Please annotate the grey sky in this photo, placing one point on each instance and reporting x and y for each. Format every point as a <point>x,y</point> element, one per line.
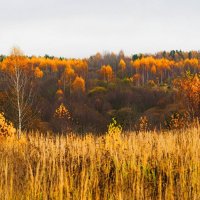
<point>80,28</point>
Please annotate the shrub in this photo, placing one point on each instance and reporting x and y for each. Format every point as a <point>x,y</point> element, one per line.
<point>189,91</point>
<point>6,128</point>
<point>62,118</point>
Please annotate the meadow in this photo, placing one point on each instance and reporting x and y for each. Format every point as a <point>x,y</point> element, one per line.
<point>117,165</point>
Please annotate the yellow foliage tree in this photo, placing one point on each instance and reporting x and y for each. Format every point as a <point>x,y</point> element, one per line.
<point>15,62</point>
<point>79,84</point>
<point>63,118</point>
<point>62,112</point>
<point>153,69</point>
<point>136,65</point>
<point>68,76</point>
<point>122,66</point>
<point>107,72</point>
<point>38,73</point>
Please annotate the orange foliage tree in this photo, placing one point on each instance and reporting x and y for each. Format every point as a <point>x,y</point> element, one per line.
<point>67,76</point>
<point>63,118</point>
<point>107,72</point>
<point>80,67</point>
<point>38,73</point>
<point>79,84</point>
<point>189,89</point>
<point>122,66</point>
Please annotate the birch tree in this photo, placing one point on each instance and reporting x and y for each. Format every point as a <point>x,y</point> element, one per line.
<point>19,86</point>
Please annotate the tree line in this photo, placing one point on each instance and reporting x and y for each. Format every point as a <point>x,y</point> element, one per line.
<point>89,90</point>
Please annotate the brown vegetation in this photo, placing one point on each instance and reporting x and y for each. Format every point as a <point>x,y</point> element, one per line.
<point>144,165</point>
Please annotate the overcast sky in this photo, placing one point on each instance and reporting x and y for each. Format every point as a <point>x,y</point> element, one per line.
<point>80,28</point>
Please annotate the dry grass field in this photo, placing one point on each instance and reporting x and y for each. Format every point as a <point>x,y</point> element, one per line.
<point>145,165</point>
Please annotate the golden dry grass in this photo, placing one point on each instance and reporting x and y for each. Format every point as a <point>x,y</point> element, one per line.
<point>147,165</point>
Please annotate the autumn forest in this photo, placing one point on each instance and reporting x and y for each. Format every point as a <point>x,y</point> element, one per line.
<point>83,95</point>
